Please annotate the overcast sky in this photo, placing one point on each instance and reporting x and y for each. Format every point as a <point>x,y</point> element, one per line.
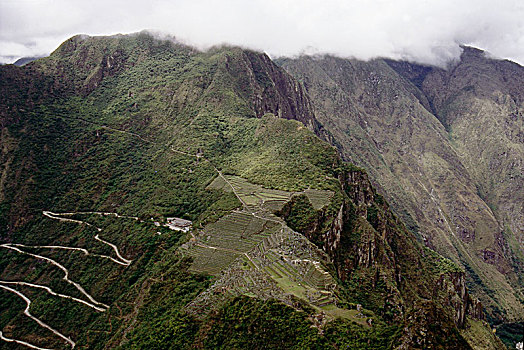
<point>427,31</point>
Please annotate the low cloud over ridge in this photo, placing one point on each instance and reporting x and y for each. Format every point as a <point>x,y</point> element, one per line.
<point>423,31</point>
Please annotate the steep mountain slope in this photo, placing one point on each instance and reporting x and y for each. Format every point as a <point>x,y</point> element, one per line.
<point>477,95</point>
<point>432,144</point>
<point>109,136</point>
<point>480,103</point>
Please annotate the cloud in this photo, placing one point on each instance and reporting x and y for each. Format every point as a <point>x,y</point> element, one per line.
<point>427,31</point>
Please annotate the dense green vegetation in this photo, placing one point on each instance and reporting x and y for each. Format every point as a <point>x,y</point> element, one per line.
<point>248,323</point>
<point>352,336</point>
<point>299,213</point>
<point>441,264</point>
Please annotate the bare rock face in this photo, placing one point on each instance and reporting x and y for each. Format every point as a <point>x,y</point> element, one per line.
<point>459,298</point>
<point>274,91</point>
<point>373,251</point>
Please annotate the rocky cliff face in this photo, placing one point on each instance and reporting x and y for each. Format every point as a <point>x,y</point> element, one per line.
<point>372,250</point>
<point>270,89</point>
<point>459,298</point>
<point>453,283</point>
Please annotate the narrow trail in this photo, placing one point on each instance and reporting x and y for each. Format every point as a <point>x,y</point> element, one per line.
<point>125,132</point>
<point>102,213</point>
<point>173,149</point>
<point>458,243</point>
<point>50,291</point>
<point>218,248</point>
<point>56,216</point>
<point>268,219</point>
<point>108,128</point>
<point>61,267</point>
<point>254,264</point>
<point>60,217</point>
<point>41,323</point>
<point>436,203</point>
<point>21,342</point>
<point>184,153</point>
<point>227,250</point>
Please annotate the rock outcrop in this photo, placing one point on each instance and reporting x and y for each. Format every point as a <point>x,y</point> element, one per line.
<point>373,252</point>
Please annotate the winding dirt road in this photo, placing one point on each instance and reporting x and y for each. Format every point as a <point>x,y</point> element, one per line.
<point>60,217</point>
<point>117,252</point>
<point>92,303</point>
<point>50,291</point>
<point>21,342</point>
<point>61,267</point>
<point>41,323</point>
<point>83,250</point>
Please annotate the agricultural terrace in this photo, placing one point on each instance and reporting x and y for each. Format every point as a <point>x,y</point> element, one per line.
<point>218,244</point>
<point>256,196</point>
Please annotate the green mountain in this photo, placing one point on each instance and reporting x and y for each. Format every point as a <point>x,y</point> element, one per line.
<point>445,147</point>
<point>108,139</point>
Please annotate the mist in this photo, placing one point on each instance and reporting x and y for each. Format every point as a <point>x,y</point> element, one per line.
<point>427,32</point>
